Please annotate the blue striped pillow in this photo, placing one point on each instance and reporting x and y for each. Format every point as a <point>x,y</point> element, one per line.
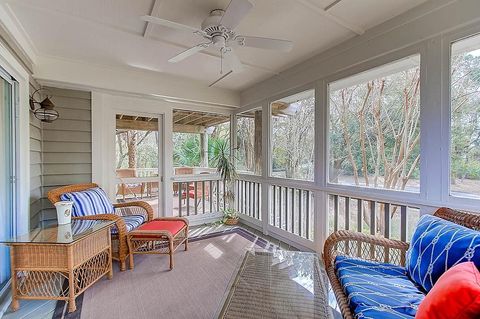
<point>93,201</point>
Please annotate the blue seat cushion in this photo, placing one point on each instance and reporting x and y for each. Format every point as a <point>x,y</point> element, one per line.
<point>92,201</point>
<point>378,290</point>
<point>438,245</point>
<point>131,222</point>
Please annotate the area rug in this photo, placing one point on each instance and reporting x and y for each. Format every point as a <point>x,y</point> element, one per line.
<point>193,289</point>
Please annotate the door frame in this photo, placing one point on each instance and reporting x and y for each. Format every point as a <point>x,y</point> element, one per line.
<point>14,69</point>
<point>104,109</point>
<point>112,186</point>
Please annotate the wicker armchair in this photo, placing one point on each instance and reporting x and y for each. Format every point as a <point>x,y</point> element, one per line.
<point>119,241</point>
<point>373,248</point>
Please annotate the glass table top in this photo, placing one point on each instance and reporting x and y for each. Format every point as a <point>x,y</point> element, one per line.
<point>277,284</point>
<point>52,233</point>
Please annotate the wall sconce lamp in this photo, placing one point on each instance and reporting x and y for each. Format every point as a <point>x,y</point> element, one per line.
<point>44,111</point>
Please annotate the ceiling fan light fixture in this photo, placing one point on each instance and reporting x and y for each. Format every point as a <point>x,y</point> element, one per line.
<point>45,111</point>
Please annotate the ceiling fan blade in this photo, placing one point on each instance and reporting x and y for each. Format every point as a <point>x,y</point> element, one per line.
<point>170,24</point>
<point>185,54</point>
<point>264,43</point>
<point>232,62</point>
<point>235,12</point>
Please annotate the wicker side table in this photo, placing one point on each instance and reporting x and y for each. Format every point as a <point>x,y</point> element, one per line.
<point>60,262</point>
<point>159,236</point>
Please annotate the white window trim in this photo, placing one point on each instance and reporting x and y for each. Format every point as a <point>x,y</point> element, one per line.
<point>293,181</point>
<point>325,120</point>
<point>448,40</point>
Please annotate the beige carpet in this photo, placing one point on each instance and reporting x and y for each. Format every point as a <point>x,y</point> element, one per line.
<point>193,289</point>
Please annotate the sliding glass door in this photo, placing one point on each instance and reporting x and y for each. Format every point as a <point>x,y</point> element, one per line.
<point>7,171</point>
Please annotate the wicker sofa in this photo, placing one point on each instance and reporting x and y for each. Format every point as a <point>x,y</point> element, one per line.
<point>366,247</point>
<point>119,240</point>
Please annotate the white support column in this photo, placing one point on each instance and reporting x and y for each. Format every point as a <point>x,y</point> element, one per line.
<point>204,149</point>
<point>167,160</point>
<point>434,122</point>
<point>321,165</point>
<point>266,165</point>
<point>321,220</point>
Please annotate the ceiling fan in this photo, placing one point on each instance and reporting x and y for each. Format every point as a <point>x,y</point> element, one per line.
<point>218,31</point>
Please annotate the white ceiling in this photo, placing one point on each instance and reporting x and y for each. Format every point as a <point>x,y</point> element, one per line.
<point>110,32</point>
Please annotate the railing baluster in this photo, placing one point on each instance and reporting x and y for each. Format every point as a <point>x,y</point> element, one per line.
<point>386,224</point>
<point>218,196</point>
<point>257,202</point>
<point>300,222</point>
<point>187,194</point>
<point>280,206</point>
<point>386,217</point>
<point>224,190</point>
<point>250,199</point>
<point>274,206</point>
<point>244,197</point>
<point>403,223</point>
<point>359,224</point>
<point>347,213</point>
<point>335,212</point>
<point>292,227</point>
<point>360,216</point>
<point>180,199</point>
<point>307,221</point>
<point>372,227</point>
<point>195,199</point>
<point>203,197</point>
<point>210,197</point>
<point>237,195</point>
<point>252,202</point>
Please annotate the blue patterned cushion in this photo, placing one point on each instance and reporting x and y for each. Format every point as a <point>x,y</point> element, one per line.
<point>378,290</point>
<point>131,222</point>
<point>438,245</point>
<point>92,201</point>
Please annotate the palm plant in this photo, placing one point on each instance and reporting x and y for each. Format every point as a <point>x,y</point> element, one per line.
<point>225,163</point>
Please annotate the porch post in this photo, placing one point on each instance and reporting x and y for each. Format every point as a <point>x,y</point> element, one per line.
<point>266,160</point>
<point>257,145</point>
<point>204,149</point>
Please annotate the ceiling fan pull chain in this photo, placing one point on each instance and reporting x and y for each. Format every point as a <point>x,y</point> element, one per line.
<point>221,61</point>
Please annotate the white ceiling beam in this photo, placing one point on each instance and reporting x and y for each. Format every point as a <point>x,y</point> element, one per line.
<point>337,20</point>
<point>331,5</point>
<point>155,12</point>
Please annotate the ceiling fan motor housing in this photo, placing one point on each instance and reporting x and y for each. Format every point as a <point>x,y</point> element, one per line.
<point>216,32</point>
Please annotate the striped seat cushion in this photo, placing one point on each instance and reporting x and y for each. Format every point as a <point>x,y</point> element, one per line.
<point>92,201</point>
<point>131,222</point>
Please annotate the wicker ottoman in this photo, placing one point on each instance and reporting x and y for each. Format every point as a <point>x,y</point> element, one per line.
<point>158,236</point>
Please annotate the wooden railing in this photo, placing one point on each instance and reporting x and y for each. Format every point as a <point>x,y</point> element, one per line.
<point>292,210</point>
<point>374,217</point>
<point>198,194</point>
<point>248,198</point>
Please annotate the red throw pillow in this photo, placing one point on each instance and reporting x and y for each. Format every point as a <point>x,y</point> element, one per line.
<point>456,295</point>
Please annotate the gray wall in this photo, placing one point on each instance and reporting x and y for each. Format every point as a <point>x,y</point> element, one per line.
<point>67,144</point>
<point>35,169</point>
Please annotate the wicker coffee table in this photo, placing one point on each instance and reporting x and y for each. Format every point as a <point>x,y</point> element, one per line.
<point>277,285</point>
<point>60,262</point>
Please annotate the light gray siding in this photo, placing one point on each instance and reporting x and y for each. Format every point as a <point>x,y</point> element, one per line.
<point>67,144</point>
<point>35,171</point>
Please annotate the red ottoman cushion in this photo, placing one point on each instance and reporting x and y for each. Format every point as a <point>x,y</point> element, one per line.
<point>456,294</point>
<point>172,226</point>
